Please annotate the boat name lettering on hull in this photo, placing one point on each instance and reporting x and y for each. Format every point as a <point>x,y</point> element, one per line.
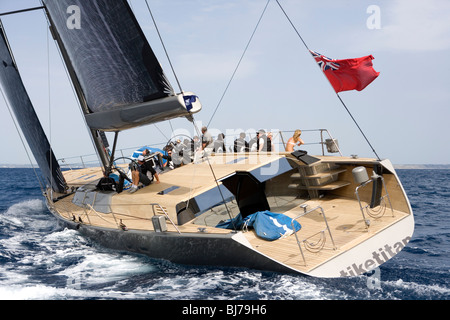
<point>378,257</point>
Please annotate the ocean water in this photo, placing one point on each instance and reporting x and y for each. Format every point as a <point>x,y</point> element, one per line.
<point>41,261</point>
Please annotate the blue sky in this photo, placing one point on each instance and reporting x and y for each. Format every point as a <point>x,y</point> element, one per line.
<point>404,112</point>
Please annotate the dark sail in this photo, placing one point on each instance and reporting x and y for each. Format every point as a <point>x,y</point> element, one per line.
<point>26,117</point>
<point>119,81</point>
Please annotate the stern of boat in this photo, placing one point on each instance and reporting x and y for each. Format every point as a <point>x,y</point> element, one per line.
<point>345,231</point>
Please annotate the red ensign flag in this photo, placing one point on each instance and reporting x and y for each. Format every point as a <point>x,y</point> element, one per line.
<point>347,74</point>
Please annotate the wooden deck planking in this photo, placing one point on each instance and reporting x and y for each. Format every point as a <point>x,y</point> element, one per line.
<point>347,229</point>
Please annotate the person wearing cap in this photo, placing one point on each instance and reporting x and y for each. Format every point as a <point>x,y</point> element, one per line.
<point>139,174</point>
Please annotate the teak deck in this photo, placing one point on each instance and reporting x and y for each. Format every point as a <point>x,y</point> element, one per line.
<point>346,225</point>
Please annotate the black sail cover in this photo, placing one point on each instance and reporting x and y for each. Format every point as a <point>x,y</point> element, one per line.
<point>27,119</point>
<point>110,60</point>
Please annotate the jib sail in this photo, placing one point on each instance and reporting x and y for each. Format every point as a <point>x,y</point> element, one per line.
<point>119,81</point>
<point>26,116</point>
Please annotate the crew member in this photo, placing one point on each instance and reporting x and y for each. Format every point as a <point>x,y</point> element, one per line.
<point>139,173</point>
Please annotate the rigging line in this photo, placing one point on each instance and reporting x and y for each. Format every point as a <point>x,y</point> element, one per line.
<point>292,24</point>
<point>367,140</point>
<point>239,63</point>
<point>191,188</point>
<point>20,11</point>
<point>166,52</point>
<point>171,127</point>
<point>337,94</point>
<point>165,137</point>
<point>213,173</point>
<point>49,110</point>
<point>164,47</point>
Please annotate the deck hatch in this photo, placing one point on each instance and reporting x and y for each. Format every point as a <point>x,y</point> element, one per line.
<point>168,190</point>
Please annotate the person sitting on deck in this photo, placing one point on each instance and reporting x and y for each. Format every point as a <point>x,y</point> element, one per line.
<point>155,159</point>
<point>139,173</point>
<point>169,162</point>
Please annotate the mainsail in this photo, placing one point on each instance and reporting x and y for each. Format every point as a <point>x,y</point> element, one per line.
<point>26,117</point>
<point>119,81</point>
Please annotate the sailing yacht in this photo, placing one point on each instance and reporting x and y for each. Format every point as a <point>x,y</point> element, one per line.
<point>324,215</point>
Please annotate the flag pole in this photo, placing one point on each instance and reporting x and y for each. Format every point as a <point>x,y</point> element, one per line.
<point>337,94</point>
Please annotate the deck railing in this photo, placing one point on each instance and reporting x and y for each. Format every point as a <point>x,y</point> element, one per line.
<point>89,210</point>
<point>307,242</point>
<point>378,210</point>
<point>317,141</point>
